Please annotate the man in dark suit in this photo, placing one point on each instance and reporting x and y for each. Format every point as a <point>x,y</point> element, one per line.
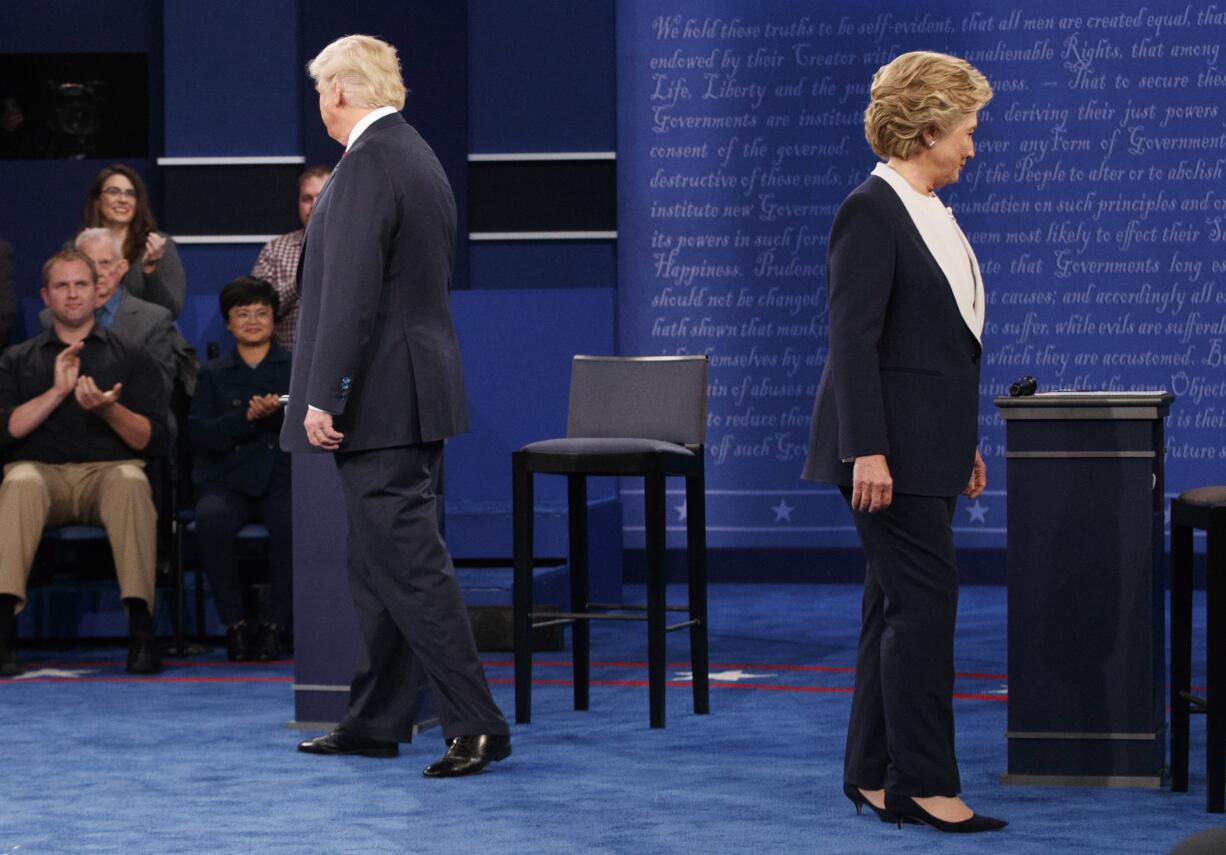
<point>376,381</point>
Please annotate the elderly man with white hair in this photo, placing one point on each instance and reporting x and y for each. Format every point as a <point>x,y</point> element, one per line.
<point>377,383</point>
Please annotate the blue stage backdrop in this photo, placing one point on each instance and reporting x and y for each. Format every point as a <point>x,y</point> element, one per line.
<point>1096,205</point>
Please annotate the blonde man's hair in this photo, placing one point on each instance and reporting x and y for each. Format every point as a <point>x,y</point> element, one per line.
<point>366,69</point>
<point>917,92</point>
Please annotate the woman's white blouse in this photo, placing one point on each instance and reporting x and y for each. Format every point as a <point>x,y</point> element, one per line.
<point>944,239</point>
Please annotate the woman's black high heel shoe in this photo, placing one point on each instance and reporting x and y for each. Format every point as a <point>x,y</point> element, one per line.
<point>857,799</point>
<point>905,808</point>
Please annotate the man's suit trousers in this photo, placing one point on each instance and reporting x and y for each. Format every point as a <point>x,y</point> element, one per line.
<point>901,733</point>
<point>408,601</point>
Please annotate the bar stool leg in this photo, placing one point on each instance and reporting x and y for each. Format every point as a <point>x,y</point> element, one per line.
<point>656,583</point>
<point>1181,649</point>
<point>580,630</point>
<point>696,553</point>
<point>1215,655</point>
<point>522,510</point>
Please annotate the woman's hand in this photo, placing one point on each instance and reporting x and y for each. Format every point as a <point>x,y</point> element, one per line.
<point>979,478</point>
<point>872,488</point>
<point>155,248</point>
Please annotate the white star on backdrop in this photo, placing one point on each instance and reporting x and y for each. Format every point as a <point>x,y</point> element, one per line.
<point>680,509</point>
<point>978,512</point>
<point>54,673</point>
<point>783,511</point>
<point>733,676</point>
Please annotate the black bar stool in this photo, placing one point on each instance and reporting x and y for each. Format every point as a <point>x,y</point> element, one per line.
<point>1203,508</point>
<point>628,416</point>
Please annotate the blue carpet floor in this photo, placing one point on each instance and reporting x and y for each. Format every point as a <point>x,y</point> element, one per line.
<point>199,760</point>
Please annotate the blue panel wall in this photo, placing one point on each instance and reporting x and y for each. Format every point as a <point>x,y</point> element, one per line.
<point>232,77</point>
<point>542,76</point>
<point>78,26</point>
<point>1094,206</point>
<point>517,347</point>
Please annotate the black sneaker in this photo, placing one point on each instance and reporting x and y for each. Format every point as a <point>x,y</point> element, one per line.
<point>9,666</point>
<point>268,646</point>
<point>143,656</point>
<point>238,642</point>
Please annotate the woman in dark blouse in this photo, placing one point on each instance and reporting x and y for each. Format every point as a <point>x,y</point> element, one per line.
<point>240,473</point>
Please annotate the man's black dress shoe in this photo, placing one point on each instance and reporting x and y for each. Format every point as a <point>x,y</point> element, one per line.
<point>9,666</point>
<point>343,742</point>
<point>143,656</point>
<point>905,809</point>
<point>467,755</point>
<point>238,642</point>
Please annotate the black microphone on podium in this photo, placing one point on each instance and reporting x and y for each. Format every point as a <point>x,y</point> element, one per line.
<point>1023,387</point>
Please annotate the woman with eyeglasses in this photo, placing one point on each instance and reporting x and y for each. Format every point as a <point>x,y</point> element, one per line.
<point>240,473</point>
<point>118,201</point>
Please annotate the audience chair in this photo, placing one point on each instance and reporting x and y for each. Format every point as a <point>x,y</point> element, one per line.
<point>627,416</point>
<point>1203,508</point>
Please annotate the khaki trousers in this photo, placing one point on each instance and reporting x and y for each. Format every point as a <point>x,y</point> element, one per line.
<point>114,494</point>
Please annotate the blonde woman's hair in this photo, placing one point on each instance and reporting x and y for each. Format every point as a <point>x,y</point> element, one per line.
<point>366,69</point>
<point>917,92</point>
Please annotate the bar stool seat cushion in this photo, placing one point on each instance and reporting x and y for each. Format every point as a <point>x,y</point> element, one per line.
<point>611,445</point>
<point>1208,497</point>
<point>1197,508</point>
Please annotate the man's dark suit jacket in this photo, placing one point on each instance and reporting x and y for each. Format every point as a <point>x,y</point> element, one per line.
<point>232,452</point>
<point>902,376</point>
<point>376,347</point>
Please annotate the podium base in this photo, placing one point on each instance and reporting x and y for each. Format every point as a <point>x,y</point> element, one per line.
<point>292,724</point>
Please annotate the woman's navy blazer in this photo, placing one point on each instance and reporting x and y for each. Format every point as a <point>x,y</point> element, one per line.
<point>902,375</point>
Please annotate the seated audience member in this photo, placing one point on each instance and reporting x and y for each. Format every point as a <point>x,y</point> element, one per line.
<point>139,321</point>
<point>278,261</point>
<point>241,475</point>
<point>80,409</point>
<point>117,200</point>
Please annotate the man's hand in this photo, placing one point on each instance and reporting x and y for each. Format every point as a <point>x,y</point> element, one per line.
<point>320,434</point>
<point>872,488</point>
<point>67,369</point>
<point>93,399</point>
<point>979,478</point>
<point>262,406</point>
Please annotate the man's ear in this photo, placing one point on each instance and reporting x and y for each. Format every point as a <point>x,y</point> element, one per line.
<point>43,293</point>
<point>122,267</point>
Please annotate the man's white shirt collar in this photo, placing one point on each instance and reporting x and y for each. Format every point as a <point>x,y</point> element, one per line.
<point>366,121</point>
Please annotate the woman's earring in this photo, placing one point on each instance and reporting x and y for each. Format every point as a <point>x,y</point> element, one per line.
<point>931,143</point>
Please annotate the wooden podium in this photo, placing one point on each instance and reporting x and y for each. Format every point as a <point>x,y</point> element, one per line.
<point>1086,589</point>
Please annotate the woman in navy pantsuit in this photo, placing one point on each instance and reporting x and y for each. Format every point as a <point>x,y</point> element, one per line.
<point>895,427</point>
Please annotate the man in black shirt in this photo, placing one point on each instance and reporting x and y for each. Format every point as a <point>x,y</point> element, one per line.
<point>79,410</point>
